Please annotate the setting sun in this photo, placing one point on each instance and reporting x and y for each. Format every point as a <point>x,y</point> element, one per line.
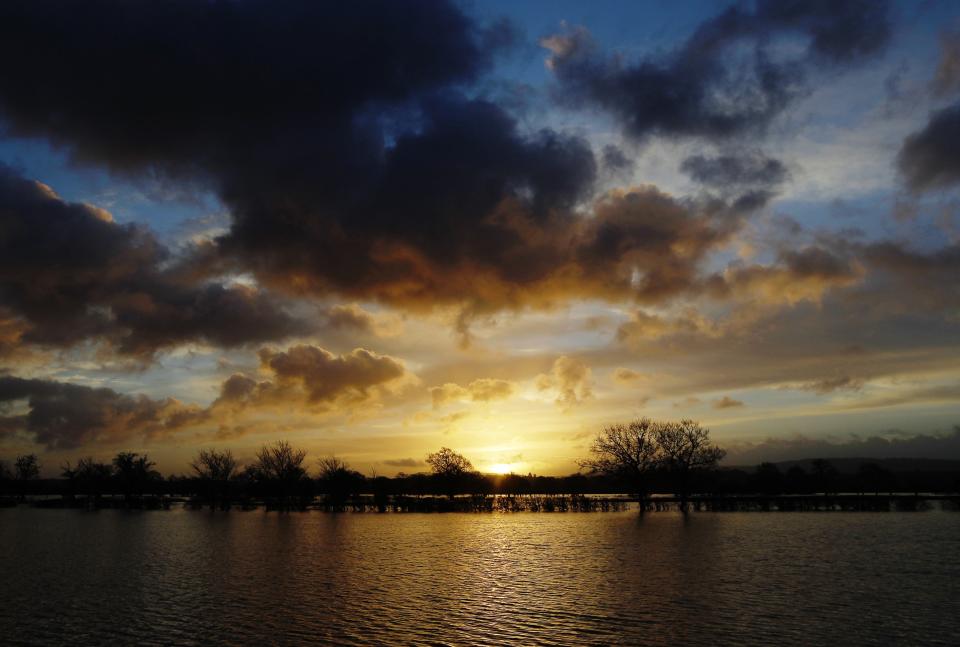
<point>502,468</point>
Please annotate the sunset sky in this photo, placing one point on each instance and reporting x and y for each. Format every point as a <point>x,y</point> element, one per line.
<point>378,228</point>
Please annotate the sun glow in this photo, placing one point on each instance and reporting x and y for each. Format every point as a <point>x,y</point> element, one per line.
<point>502,468</point>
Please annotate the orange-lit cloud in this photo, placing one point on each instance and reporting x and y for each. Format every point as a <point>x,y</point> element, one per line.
<point>480,390</point>
<point>571,379</point>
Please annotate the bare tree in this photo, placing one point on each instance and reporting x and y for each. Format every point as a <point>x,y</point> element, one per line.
<point>134,472</point>
<point>824,474</point>
<point>449,469</point>
<point>90,477</point>
<point>338,480</point>
<point>447,462</point>
<point>213,465</point>
<point>280,474</point>
<point>331,466</point>
<point>627,451</point>
<point>685,448</point>
<point>281,462</point>
<point>215,471</point>
<point>26,467</point>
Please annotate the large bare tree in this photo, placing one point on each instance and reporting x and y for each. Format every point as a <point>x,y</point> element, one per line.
<point>685,447</point>
<point>450,469</point>
<point>215,465</point>
<point>627,451</point>
<point>281,462</point>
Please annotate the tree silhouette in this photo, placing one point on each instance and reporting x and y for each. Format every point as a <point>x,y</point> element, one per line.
<point>627,451</point>
<point>281,462</point>
<point>824,475</point>
<point>279,470</point>
<point>215,466</point>
<point>873,477</point>
<point>686,448</point>
<point>134,473</point>
<point>89,477</point>
<point>215,470</point>
<point>337,480</point>
<point>797,480</point>
<point>448,462</point>
<point>26,468</point>
<point>768,479</point>
<point>449,469</point>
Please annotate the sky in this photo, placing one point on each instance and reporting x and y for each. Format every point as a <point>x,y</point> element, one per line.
<point>375,229</point>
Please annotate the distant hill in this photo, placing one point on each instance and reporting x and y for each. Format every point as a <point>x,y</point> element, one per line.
<point>852,465</point>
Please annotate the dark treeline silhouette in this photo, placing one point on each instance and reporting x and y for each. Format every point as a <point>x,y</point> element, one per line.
<point>658,464</point>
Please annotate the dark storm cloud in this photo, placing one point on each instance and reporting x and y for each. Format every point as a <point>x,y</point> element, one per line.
<point>615,160</point>
<point>63,416</point>
<point>352,162</point>
<point>337,134</point>
<point>69,273</point>
<point>723,171</point>
<point>185,85</point>
<point>712,86</point>
<point>929,158</point>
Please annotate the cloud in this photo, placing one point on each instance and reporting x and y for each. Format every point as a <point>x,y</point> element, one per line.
<point>915,279</point>
<point>320,377</point>
<point>947,77</point>
<point>804,275</point>
<point>644,326</point>
<point>343,176</point>
<point>404,462</point>
<point>928,158</point>
<point>480,390</point>
<point>353,318</point>
<point>726,402</point>
<point>830,318</point>
<point>799,275</point>
<point>724,171</point>
<point>69,273</point>
<point>64,416</point>
<point>714,85</point>
<point>247,78</point>
<point>628,376</point>
<point>830,385</point>
<point>907,396</point>
<point>570,378</point>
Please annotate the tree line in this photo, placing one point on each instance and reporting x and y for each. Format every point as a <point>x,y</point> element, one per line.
<point>636,458</point>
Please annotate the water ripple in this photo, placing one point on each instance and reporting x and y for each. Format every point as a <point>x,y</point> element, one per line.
<point>197,578</point>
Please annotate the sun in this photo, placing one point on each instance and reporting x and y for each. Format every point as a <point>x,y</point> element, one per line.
<point>501,468</point>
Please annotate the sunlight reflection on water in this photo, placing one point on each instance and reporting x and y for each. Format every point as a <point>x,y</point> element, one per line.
<point>190,577</point>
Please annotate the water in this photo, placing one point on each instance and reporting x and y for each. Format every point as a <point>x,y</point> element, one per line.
<point>193,578</point>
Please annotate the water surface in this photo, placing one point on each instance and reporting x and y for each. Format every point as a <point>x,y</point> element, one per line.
<point>193,578</point>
